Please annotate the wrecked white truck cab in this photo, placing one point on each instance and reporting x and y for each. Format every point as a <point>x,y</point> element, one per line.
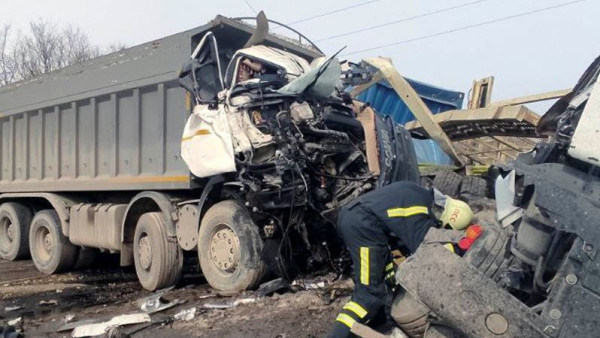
<point>289,146</point>
<point>218,132</point>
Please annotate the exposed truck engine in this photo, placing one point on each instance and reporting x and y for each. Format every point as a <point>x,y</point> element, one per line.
<point>294,147</point>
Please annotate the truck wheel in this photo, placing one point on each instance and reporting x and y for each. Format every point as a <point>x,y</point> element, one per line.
<point>15,219</point>
<point>473,187</point>
<point>411,315</point>
<point>447,182</point>
<point>158,261</point>
<point>230,247</point>
<point>50,250</point>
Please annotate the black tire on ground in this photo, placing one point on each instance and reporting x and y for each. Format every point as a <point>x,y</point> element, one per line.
<point>411,315</point>
<point>158,261</point>
<point>447,182</point>
<point>85,258</point>
<point>473,187</point>
<point>229,248</point>
<point>50,250</point>
<point>15,219</point>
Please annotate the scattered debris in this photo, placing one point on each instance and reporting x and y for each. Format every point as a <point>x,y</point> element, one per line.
<point>12,308</point>
<point>366,332</point>
<point>273,286</point>
<point>310,284</point>
<point>116,332</point>
<point>69,318</point>
<point>229,303</point>
<point>244,301</point>
<point>95,329</point>
<point>15,321</point>
<point>207,296</point>
<point>186,315</point>
<point>218,305</point>
<point>71,325</point>
<point>155,303</point>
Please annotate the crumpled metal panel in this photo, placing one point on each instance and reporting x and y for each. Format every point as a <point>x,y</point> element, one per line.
<point>387,102</point>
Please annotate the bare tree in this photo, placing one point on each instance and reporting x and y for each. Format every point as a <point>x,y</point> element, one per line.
<point>6,67</point>
<point>115,47</point>
<point>77,47</point>
<point>44,48</point>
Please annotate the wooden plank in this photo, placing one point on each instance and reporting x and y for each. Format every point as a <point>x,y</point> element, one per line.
<point>532,98</point>
<point>469,151</point>
<point>415,104</point>
<point>508,144</point>
<point>461,149</point>
<point>517,113</point>
<point>361,88</point>
<point>366,116</point>
<point>481,93</point>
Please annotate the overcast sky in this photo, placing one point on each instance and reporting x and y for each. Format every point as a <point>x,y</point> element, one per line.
<point>543,51</point>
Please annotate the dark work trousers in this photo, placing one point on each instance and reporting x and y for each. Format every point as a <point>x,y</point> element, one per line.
<point>401,211</point>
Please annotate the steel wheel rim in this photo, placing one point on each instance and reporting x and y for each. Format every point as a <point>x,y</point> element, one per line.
<point>224,249</point>
<point>7,234</point>
<point>44,243</point>
<point>145,251</point>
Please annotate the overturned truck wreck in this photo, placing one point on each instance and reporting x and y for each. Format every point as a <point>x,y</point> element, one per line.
<point>536,272</point>
<point>244,156</point>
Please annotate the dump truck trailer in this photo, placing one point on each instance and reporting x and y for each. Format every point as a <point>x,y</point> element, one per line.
<point>91,160</point>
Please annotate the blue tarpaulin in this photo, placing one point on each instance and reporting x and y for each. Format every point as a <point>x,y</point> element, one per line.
<point>384,99</point>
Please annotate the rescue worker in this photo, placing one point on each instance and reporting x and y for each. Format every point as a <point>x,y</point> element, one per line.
<point>397,213</point>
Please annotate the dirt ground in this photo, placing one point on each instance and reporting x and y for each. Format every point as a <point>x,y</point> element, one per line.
<point>106,290</point>
<point>44,302</point>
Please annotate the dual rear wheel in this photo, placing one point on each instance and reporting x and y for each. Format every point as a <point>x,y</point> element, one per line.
<point>158,258</point>
<point>230,246</point>
<point>23,235</point>
<point>14,231</point>
<point>51,251</point>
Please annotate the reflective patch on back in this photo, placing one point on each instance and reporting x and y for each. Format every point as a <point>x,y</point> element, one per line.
<point>407,212</point>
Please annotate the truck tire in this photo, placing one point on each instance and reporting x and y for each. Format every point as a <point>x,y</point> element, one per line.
<point>50,250</point>
<point>15,219</point>
<point>447,182</point>
<point>411,315</point>
<point>488,251</point>
<point>158,260</point>
<point>472,187</point>
<point>230,247</point>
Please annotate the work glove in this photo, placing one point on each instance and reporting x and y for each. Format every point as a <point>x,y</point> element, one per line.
<point>390,276</point>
